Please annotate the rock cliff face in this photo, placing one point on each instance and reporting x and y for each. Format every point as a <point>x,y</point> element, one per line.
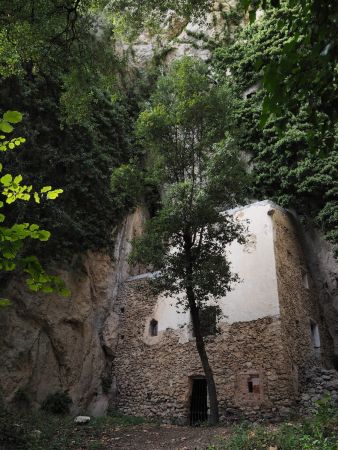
<point>51,343</point>
<point>178,37</point>
<point>324,271</point>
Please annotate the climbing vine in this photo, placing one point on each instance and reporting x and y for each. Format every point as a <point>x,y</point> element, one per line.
<point>294,162</point>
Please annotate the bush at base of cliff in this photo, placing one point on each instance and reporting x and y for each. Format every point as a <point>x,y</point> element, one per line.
<point>316,433</point>
<point>57,403</point>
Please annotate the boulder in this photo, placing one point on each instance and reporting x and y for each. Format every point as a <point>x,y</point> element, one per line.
<point>82,419</point>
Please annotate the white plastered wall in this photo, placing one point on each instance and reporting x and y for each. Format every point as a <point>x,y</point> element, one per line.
<point>255,296</point>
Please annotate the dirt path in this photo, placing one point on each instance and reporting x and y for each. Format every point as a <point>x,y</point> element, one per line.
<point>161,437</point>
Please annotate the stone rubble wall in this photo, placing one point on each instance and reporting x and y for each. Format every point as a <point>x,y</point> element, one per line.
<point>298,299</point>
<point>154,379</point>
<point>153,375</point>
<point>318,383</point>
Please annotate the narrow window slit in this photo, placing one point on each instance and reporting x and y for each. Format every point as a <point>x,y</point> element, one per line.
<point>153,329</point>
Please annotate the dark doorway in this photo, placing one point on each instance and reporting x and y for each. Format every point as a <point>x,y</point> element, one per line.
<point>199,402</point>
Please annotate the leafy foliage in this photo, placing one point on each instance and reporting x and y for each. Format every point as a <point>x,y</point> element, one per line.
<point>57,403</point>
<point>77,158</point>
<point>284,167</point>
<point>58,66</point>
<point>315,433</point>
<point>41,38</point>
<point>306,64</point>
<point>183,130</point>
<point>13,236</point>
<point>138,14</point>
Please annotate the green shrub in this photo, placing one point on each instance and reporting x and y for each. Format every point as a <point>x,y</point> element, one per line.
<point>315,433</point>
<point>57,403</point>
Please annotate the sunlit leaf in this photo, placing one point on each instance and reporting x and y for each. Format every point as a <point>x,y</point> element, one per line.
<point>5,126</point>
<point>6,180</point>
<point>36,197</point>
<point>12,116</point>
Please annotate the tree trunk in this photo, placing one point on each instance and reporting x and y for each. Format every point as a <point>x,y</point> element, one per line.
<point>213,417</point>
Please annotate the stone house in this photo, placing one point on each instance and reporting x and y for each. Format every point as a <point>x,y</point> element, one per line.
<point>270,334</point>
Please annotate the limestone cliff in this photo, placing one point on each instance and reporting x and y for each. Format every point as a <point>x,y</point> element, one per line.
<point>50,343</point>
<point>178,37</point>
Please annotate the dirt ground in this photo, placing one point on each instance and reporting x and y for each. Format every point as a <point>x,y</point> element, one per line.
<point>160,437</point>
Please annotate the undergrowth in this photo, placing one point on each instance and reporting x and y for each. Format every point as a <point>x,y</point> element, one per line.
<point>45,431</point>
<point>319,432</point>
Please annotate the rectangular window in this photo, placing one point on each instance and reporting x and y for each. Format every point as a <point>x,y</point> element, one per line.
<point>249,388</point>
<point>315,337</point>
<point>253,384</point>
<point>153,328</point>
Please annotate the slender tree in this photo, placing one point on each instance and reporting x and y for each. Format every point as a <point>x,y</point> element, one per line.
<point>202,175</point>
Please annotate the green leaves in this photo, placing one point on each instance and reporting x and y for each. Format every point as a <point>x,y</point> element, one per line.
<point>4,302</point>
<point>5,127</point>
<point>127,186</point>
<point>12,238</point>
<point>291,141</point>
<point>185,128</point>
<point>8,118</point>
<point>52,195</point>
<point>45,189</point>
<point>39,280</point>
<point>6,180</point>
<point>12,116</point>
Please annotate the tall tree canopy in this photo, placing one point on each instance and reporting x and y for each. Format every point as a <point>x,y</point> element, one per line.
<point>70,38</point>
<point>184,129</point>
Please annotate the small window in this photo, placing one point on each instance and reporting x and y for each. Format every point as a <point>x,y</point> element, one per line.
<point>254,384</point>
<point>315,337</point>
<point>153,329</point>
<point>122,310</point>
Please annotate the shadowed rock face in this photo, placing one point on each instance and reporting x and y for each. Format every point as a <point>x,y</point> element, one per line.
<point>324,270</point>
<point>49,343</point>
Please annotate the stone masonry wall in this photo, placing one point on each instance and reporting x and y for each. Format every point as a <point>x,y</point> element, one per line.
<point>298,299</point>
<point>153,375</point>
